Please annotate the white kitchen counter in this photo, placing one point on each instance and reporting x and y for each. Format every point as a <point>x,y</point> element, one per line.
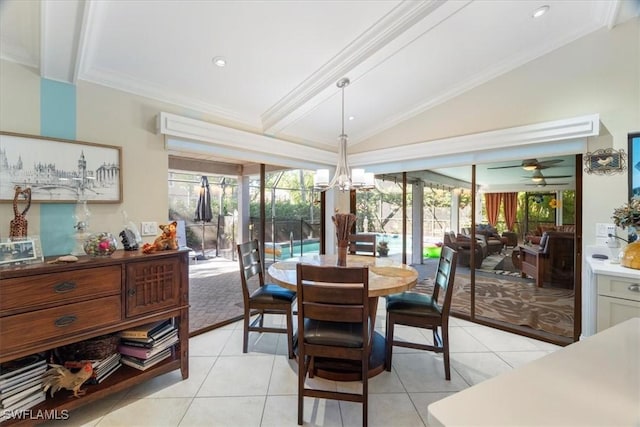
<point>593,382</point>
<point>600,266</point>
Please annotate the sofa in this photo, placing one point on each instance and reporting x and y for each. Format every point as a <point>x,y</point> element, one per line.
<point>494,242</point>
<point>462,245</point>
<point>551,263</point>
<point>534,236</point>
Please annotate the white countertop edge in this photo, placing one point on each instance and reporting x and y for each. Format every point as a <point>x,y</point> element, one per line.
<point>592,382</point>
<point>600,266</point>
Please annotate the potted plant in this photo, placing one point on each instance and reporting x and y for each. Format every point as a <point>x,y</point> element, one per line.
<point>383,248</point>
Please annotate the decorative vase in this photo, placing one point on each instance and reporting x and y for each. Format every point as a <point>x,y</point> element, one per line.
<point>342,252</point>
<point>631,255</point>
<point>100,244</point>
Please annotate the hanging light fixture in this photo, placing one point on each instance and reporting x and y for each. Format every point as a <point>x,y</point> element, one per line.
<point>344,178</point>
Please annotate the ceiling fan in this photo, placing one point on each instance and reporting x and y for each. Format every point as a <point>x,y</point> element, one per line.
<point>538,177</point>
<point>532,164</point>
<point>540,180</point>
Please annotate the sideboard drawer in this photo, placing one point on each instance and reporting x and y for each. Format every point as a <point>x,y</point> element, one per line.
<point>27,293</point>
<point>57,322</point>
<point>619,287</point>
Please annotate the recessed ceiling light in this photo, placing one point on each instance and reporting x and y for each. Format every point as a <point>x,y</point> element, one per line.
<point>220,61</point>
<point>352,118</point>
<point>540,11</point>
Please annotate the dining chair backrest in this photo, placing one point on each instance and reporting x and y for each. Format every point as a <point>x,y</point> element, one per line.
<point>333,294</point>
<point>268,298</point>
<point>443,280</point>
<point>362,244</point>
<point>419,310</point>
<point>333,323</point>
<point>250,264</point>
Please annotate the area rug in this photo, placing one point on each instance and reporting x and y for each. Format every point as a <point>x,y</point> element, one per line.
<point>500,264</point>
<point>515,301</point>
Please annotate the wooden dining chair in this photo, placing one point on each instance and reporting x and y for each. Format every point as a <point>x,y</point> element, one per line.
<point>269,298</point>
<point>423,311</point>
<point>333,322</point>
<point>362,244</point>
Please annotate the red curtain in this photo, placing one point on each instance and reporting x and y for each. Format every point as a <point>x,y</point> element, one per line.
<point>510,201</point>
<point>492,203</point>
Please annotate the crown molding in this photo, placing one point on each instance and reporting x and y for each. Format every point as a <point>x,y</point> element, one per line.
<point>300,100</point>
<point>505,144</point>
<point>186,134</point>
<point>559,137</point>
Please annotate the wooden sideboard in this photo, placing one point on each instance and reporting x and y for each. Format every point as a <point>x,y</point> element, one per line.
<point>45,306</point>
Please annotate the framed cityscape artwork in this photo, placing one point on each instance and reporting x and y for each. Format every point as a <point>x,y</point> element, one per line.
<point>634,165</point>
<point>59,170</point>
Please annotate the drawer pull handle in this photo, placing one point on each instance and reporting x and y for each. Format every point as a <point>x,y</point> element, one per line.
<point>132,292</point>
<point>634,288</point>
<point>65,321</point>
<point>64,287</point>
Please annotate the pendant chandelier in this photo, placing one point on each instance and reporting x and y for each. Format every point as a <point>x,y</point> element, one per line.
<point>344,178</point>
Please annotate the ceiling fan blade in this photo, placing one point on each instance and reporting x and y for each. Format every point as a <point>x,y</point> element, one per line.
<point>558,176</point>
<point>547,163</point>
<point>505,167</point>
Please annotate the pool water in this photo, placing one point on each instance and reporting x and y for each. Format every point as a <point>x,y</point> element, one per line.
<point>309,247</point>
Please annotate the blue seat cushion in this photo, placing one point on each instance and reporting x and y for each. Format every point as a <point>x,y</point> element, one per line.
<point>272,293</point>
<point>414,304</point>
<point>337,334</point>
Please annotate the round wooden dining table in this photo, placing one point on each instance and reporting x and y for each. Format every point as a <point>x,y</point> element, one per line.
<point>386,277</point>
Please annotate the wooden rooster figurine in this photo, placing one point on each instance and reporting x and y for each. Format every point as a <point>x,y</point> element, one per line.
<point>59,377</point>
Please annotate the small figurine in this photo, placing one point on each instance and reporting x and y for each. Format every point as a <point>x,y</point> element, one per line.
<point>129,240</point>
<point>18,225</point>
<point>168,240</point>
<point>59,377</point>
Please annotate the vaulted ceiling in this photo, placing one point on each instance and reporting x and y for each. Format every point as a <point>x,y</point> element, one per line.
<point>283,58</point>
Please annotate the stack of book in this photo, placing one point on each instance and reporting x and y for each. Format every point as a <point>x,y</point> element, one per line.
<point>102,368</point>
<point>21,384</point>
<point>147,345</point>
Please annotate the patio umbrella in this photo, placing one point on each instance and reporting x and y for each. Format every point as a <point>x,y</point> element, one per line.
<point>203,209</point>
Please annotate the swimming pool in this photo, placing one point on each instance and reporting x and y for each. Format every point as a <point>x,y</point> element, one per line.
<point>282,250</point>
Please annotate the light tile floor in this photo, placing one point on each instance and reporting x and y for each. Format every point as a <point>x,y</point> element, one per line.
<point>228,388</point>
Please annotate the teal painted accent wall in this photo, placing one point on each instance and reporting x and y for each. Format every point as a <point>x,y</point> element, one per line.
<point>57,120</point>
<point>57,109</point>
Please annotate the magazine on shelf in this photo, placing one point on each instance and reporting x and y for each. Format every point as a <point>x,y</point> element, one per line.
<point>144,364</point>
<point>105,374</point>
<point>152,339</point>
<point>20,368</point>
<point>146,353</point>
<point>100,366</point>
<point>23,405</point>
<point>22,385</point>
<point>144,331</point>
<point>96,363</point>
<point>22,377</point>
<point>8,401</point>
